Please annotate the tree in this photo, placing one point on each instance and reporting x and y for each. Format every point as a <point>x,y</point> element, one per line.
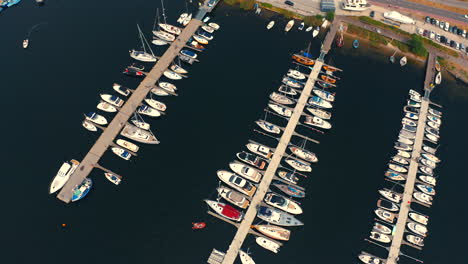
<point>417,46</point>
<point>330,16</point>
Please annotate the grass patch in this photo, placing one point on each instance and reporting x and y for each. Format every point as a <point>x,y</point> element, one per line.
<point>440,47</point>
<point>244,4</point>
<point>442,61</point>
<point>374,22</point>
<point>401,46</point>
<point>374,38</point>
<point>266,5</point>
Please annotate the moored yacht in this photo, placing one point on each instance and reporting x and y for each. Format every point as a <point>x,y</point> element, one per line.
<point>120,89</point>
<point>417,228</point>
<point>142,56</point>
<point>289,25</point>
<point>138,134</point>
<point>324,95</point>
<point>277,217</point>
<point>170,28</point>
<point>397,168</point>
<point>268,244</point>
<point>237,182</point>
<point>233,197</point>
<point>404,154</point>
<point>281,99</point>
<point>428,179</point>
<point>253,160</point>
<point>225,210</point>
<point>422,219</point>
<point>63,175</point>
<point>382,228</point>
<point>315,100</point>
<point>172,75</point>
<point>106,107</point>
<point>368,259</point>
<point>431,157</point>
<point>115,179</point>
<point>149,111</point>
<point>400,160</point>
<point>288,176</point>
<point>245,258</point>
<point>128,145</point>
<point>95,118</point>
<point>268,127</point>
<point>387,205</point>
<point>164,35</point>
<point>380,237</point>
<point>274,232</point>
<point>290,190</point>
<point>160,106</point>
<point>304,154</point>
<point>395,176</point>
<point>317,121</point>
<point>178,69</point>
<point>423,198</point>
<point>390,195</point>
<point>89,126</point>
<point>287,90</point>
<point>427,163</point>
<point>418,241</point>
<point>112,99</point>
<point>140,123</point>
<point>200,39</point>
<point>319,113</point>
<point>292,83</point>
<point>281,110</point>
<point>245,171</point>
<point>385,215</point>
<point>299,165</point>
<point>80,191</point>
<point>296,74</point>
<point>121,153</point>
<point>283,203</point>
<point>260,149</point>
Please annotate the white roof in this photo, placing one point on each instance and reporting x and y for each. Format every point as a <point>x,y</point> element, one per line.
<point>393,15</point>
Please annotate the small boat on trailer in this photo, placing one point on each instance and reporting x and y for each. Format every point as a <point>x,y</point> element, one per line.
<point>225,210</point>
<point>268,244</point>
<point>274,232</point>
<point>115,179</point>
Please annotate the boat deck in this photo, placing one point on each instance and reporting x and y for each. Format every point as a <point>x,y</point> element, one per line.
<point>398,239</point>
<point>110,133</point>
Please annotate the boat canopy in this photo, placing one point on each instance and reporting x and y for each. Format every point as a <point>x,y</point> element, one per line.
<point>230,212</point>
<point>265,211</point>
<point>278,200</point>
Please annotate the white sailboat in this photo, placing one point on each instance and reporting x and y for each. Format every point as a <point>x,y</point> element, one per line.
<point>160,38</point>
<point>315,32</point>
<point>289,25</point>
<point>403,61</point>
<point>143,55</point>
<point>167,27</point>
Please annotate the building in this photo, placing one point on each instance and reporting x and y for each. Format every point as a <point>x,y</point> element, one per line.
<point>327,5</point>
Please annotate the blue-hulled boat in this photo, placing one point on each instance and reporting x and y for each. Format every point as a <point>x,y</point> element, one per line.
<point>355,43</point>
<point>82,190</point>
<point>8,3</point>
<point>205,35</point>
<point>189,53</point>
<point>290,190</point>
<point>324,84</point>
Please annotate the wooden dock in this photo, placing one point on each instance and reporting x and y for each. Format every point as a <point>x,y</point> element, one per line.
<point>328,42</point>
<point>405,207</point>
<point>113,129</point>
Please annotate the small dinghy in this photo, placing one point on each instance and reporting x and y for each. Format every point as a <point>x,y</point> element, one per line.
<point>419,218</point>
<point>299,165</point>
<point>120,89</point>
<point>409,122</point>
<point>317,121</point>
<point>431,137</point>
<point>172,75</point>
<point>206,19</point>
<point>418,241</point>
<point>428,179</point>
<point>283,203</point>
<point>309,29</point>
<point>368,259</point>
<point>233,197</point>
<point>128,145</point>
<point>112,99</point>
<point>402,146</point>
<point>208,28</point>
<point>290,190</point>
<point>315,100</point>
<point>324,95</point>
<point>261,150</point>
<point>95,118</point>
<point>304,154</point>
<point>115,179</point>
<point>274,232</point>
<point>189,54</point>
<point>431,157</point>
<point>412,116</point>
<point>426,189</point>
<point>288,176</point>
<point>287,90</point>
<point>423,198</point>
<point>394,176</point>
<point>253,160</point>
<point>296,74</point>
<point>268,127</point>
<point>281,99</point>
<point>281,110</point>
<point>435,112</point>
<point>291,82</point>
<point>140,124</point>
<point>417,228</point>
<point>121,153</point>
<point>149,111</point>
<point>397,168</point>
<point>225,210</point>
<point>385,215</point>
<point>433,125</point>
<point>315,32</point>
<point>268,244</point>
<point>387,205</point>
<point>80,191</point>
<point>289,25</point>
<point>406,134</point>
<point>248,172</point>
<point>319,113</point>
<point>236,182</point>
<point>214,25</point>
<point>301,26</point>
<point>438,78</point>
<point>380,237</point>
<point>426,170</point>
<point>277,217</point>
<point>428,163</point>
<point>156,104</point>
<point>391,196</point>
<point>404,154</point>
<point>200,39</point>
<point>245,258</point>
<point>382,228</point>
<point>400,160</point>
<point>89,126</point>
<point>403,61</point>
<point>106,107</point>
<point>177,69</point>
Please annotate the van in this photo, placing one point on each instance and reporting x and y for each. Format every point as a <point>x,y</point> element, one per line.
<point>432,35</point>
<point>447,26</point>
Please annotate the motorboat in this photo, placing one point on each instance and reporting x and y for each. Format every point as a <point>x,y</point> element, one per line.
<point>95,118</point>
<point>225,210</point>
<point>422,219</point>
<point>368,259</point>
<point>406,141</point>
<point>281,110</point>
<point>115,179</point>
<point>387,205</point>
<point>208,28</point>
<point>426,189</point>
<point>431,157</point>
<point>89,126</point>
<point>182,17</point>
<point>233,197</point>
<point>409,128</point>
<point>112,99</point>
<point>432,131</point>
<point>189,53</point>
<point>404,154</point>
<point>380,237</point>
<point>301,26</point>
<point>206,19</point>
<point>304,154</point>
<point>270,25</point>
<point>413,92</point>
<point>324,95</point>
<point>277,217</point>
<point>187,20</point>
<point>418,241</point>
<point>426,170</point>
<point>25,43</point>
<point>168,37</point>
<point>435,112</point>
<point>355,43</point>
<point>121,153</point>
<point>288,176</point>
<point>407,134</point>
<point>130,71</point>
<point>128,145</point>
<point>167,86</point>
<point>177,69</point>
<point>397,168</point>
<point>382,228</point>
<point>237,182</point>
<point>274,232</point>
<point>170,28</point>
<point>355,5</point>
<point>245,171</point>
<point>385,215</point>
<point>205,35</point>
<point>400,160</point>
<point>403,61</point>
<point>431,137</point>
<point>290,190</point>
<point>292,83</point>
<point>299,165</point>
<point>195,44</point>
<point>402,146</point>
<point>106,107</point>
<point>268,244</point>
<point>327,79</point>
<point>394,176</point>
<point>140,123</point>
<point>245,258</point>
<point>323,84</point>
<point>413,104</point>
<point>287,90</point>
<point>147,110</point>
<point>412,116</point>
<point>138,134</point>
<point>200,39</point>
<point>428,179</point>
<point>428,149</point>
<point>214,25</point>
<point>317,121</point>
<point>423,198</point>
<point>63,175</point>
<point>319,113</point>
<point>296,74</point>
<point>427,163</point>
<point>438,78</point>
<point>409,122</point>
<point>80,191</point>
<point>172,75</point>
<point>260,149</point>
<point>415,98</point>
<point>283,203</point>
<point>289,25</point>
<point>252,160</point>
<point>391,195</point>
<point>300,58</point>
<point>315,32</point>
<point>268,127</point>
<point>409,109</point>
<point>142,56</point>
<point>437,66</point>
<point>433,125</point>
<point>120,89</point>
<point>281,99</point>
<point>315,100</point>
<point>160,106</point>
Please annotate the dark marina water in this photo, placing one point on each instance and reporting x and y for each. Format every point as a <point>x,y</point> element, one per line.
<point>81,51</point>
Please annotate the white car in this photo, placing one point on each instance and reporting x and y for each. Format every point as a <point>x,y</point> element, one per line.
<point>447,26</point>
<point>432,35</point>
<point>420,31</point>
<point>466,16</point>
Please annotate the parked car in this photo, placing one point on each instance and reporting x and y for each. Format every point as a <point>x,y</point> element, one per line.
<point>438,37</point>
<point>447,26</point>
<point>428,19</point>
<point>425,33</point>
<point>454,29</point>
<point>433,21</point>
<point>432,35</point>
<point>459,32</point>
<point>442,39</point>
<point>420,31</point>
<point>464,33</point>
<point>442,24</point>
<point>447,41</point>
<point>289,3</point>
<point>452,43</point>
<point>372,13</point>
<point>462,47</point>
<point>457,45</point>
<point>437,22</point>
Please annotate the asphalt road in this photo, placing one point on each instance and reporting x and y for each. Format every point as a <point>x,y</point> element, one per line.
<point>423,8</point>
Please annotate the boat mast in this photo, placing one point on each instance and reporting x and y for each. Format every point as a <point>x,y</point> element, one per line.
<point>164,14</point>
<point>156,18</point>
<point>143,41</point>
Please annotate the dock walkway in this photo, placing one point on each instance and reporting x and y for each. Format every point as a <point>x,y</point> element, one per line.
<point>397,241</point>
<point>120,120</point>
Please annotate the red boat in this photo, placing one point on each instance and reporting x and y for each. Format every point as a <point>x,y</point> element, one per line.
<point>225,210</point>
<point>340,41</point>
<point>199,225</point>
<point>133,72</point>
